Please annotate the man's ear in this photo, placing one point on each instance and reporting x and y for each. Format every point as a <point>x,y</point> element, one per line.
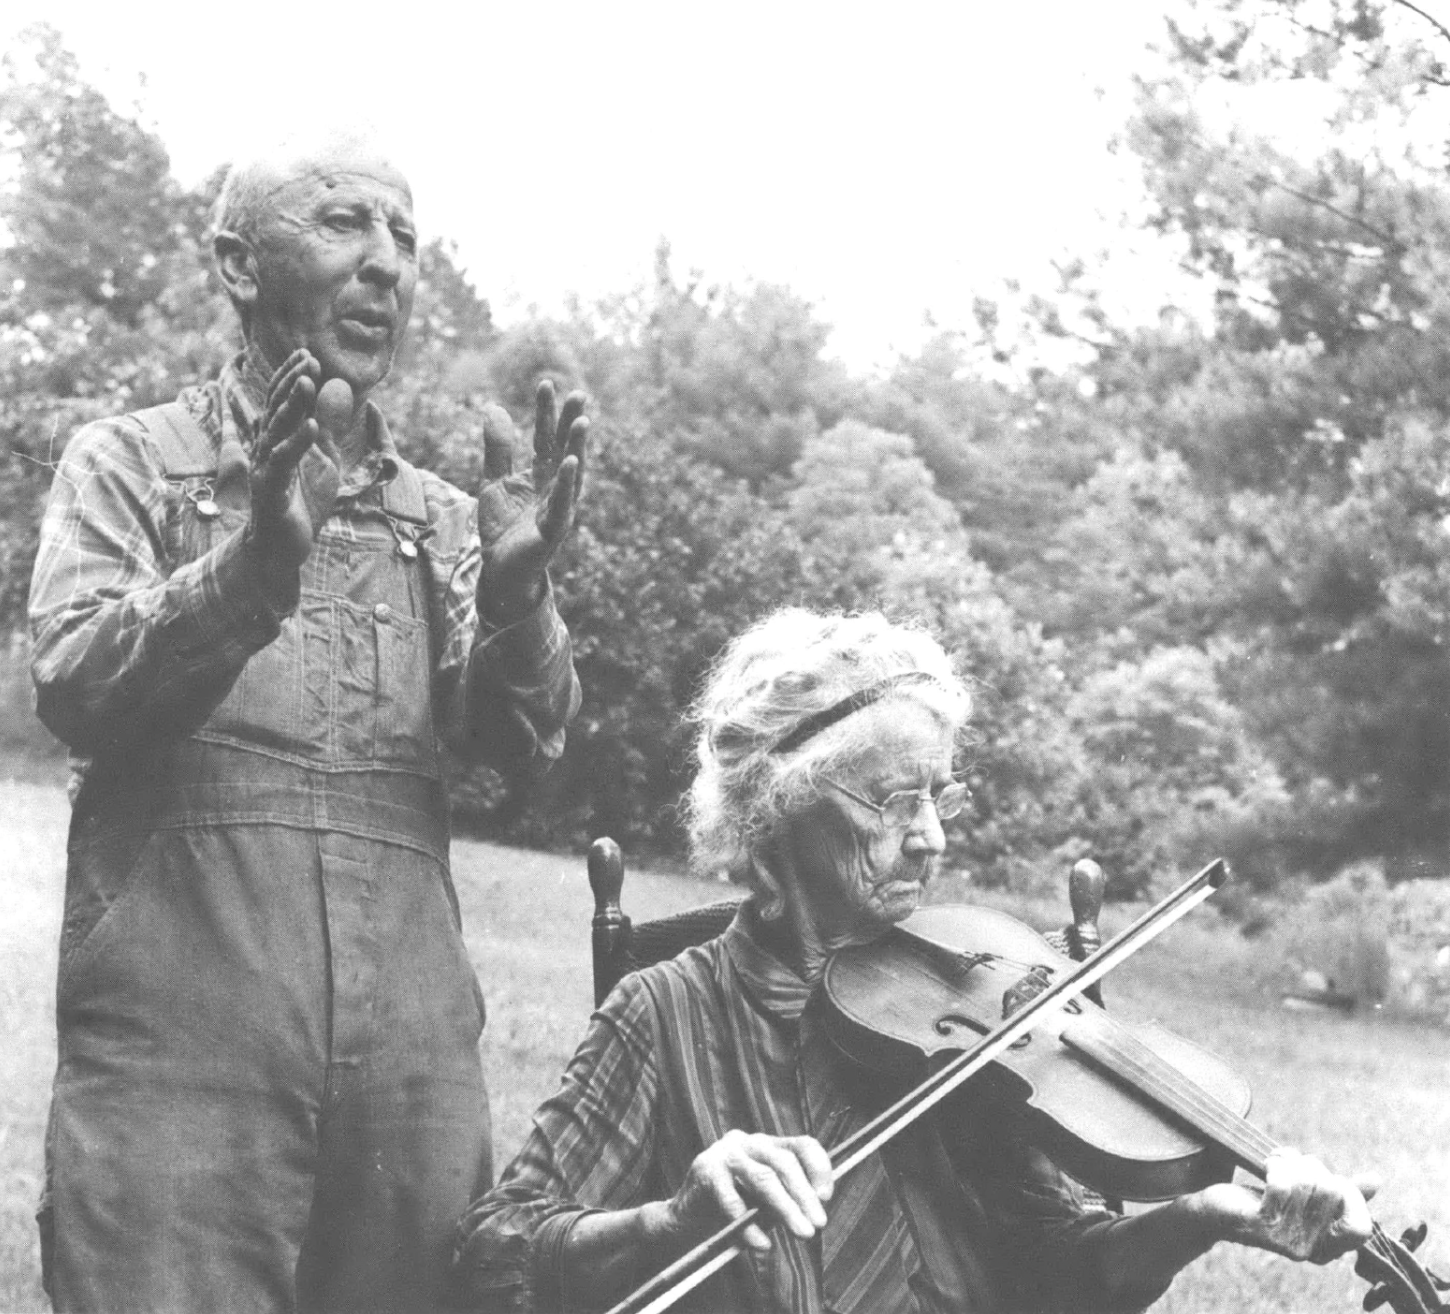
<point>236,264</point>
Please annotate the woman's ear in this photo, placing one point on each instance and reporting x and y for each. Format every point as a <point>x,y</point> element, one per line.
<point>770,906</point>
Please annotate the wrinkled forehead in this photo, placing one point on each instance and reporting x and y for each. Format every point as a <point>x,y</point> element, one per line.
<point>351,173</point>
<point>906,730</point>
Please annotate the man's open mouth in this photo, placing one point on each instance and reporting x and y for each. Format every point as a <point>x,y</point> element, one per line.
<point>371,323</point>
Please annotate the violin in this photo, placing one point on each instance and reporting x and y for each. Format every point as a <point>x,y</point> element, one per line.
<point>962,1032</point>
<point>1132,1111</point>
<point>1090,1090</point>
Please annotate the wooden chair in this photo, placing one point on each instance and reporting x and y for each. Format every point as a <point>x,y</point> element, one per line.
<point>620,947</point>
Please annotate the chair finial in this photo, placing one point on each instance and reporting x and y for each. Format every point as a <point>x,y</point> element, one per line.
<point>1085,893</point>
<point>606,873</point>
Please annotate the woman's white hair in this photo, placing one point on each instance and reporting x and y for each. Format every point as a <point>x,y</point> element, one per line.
<point>791,666</point>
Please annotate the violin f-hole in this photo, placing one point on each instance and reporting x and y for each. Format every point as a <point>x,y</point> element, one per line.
<point>950,1024</point>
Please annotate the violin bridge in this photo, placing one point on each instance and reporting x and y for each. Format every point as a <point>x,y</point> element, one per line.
<point>1026,988</point>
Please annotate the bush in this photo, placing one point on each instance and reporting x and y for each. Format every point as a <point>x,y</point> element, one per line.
<point>1420,944</point>
<point>1338,931</point>
<point>1178,779</point>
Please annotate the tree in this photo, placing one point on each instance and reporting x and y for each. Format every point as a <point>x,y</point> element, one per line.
<point>106,301</point>
<point>1342,256</point>
<point>1252,500</point>
<point>672,558</point>
<point>738,375</point>
<point>93,212</point>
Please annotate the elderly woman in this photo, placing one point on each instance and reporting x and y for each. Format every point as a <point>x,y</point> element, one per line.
<point>704,1085</point>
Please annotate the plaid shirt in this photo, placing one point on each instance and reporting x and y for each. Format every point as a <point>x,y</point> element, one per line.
<point>128,640</point>
<point>722,1037</point>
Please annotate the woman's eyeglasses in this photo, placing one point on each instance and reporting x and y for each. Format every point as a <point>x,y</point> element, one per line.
<point>900,809</point>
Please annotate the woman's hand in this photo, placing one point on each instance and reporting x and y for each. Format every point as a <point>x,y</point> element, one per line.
<point>1304,1211</point>
<point>787,1177</point>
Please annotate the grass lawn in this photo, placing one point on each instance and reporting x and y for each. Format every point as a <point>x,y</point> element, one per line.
<point>1364,1093</point>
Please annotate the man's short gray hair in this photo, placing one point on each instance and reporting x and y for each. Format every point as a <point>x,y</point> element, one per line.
<point>246,195</point>
<point>242,201</point>
<point>793,665</point>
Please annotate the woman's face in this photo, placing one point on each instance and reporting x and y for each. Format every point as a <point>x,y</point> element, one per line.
<point>850,874</point>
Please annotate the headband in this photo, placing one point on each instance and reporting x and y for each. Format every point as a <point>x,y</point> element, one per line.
<point>818,721</point>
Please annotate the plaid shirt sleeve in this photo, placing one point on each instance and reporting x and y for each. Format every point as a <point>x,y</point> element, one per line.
<point>504,695</point>
<point>123,642</point>
<point>591,1148</point>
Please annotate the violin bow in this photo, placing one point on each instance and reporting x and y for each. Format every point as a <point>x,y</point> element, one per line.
<point>713,1253</point>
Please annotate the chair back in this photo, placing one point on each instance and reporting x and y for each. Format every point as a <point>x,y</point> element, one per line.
<point>619,946</point>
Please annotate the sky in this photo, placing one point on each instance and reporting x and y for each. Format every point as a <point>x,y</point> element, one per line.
<point>889,162</point>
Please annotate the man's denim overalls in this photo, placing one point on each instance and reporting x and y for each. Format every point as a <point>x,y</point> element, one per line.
<point>269,1093</point>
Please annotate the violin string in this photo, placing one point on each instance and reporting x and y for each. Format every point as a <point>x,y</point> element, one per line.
<point>1237,1133</point>
<point>1142,1067</point>
<point>1383,1247</point>
<point>960,961</point>
<point>1426,1284</point>
<point>969,960</point>
<point>1155,1077</point>
<point>1422,1283</point>
<point>1055,997</point>
<point>1257,1145</point>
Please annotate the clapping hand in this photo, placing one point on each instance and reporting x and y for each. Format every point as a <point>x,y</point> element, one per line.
<point>296,464</point>
<point>523,518</point>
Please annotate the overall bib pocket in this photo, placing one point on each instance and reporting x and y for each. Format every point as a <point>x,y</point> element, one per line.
<point>381,687</point>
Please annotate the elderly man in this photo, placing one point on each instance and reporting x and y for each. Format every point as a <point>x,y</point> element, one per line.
<point>252,623</point>
<point>707,1084</point>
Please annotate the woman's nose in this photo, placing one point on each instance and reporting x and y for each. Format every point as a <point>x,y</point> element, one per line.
<point>925,834</point>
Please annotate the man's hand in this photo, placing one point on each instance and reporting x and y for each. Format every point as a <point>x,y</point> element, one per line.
<point>788,1177</point>
<point>1305,1211</point>
<point>296,467</point>
<point>523,518</point>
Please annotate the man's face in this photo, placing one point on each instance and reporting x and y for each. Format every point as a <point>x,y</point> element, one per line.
<point>337,263</point>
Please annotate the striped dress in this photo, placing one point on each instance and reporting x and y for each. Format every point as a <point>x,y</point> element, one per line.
<point>953,1215</point>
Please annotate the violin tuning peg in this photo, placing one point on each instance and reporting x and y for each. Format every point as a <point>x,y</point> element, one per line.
<point>1375,1297</point>
<point>1413,1237</point>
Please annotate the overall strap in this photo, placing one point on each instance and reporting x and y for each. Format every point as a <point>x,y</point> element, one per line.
<point>403,495</point>
<point>187,452</point>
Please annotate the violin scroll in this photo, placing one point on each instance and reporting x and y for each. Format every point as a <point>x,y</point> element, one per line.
<point>1396,1277</point>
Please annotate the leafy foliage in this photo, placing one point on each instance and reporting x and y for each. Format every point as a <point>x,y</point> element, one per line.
<point>105,302</point>
<point>1198,578</point>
